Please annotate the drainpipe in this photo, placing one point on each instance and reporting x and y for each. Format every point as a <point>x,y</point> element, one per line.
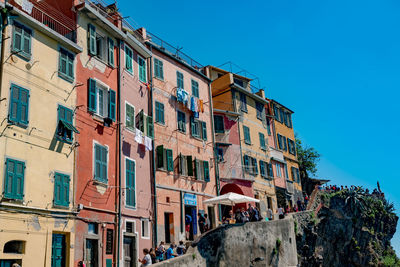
<point>214,149</point>
<point>4,14</point>
<point>153,161</point>
<point>119,187</point>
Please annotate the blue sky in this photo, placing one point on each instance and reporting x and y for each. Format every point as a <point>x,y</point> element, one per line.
<point>335,63</point>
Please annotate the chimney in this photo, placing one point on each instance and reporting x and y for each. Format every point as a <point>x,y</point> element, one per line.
<point>142,32</point>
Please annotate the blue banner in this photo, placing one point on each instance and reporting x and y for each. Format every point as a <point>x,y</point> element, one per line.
<point>190,199</point>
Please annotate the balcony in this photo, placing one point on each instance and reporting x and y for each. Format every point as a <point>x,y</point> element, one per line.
<point>289,186</point>
<point>49,17</point>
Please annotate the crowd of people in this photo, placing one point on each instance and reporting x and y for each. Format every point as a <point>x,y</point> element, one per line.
<point>162,253</point>
<point>359,189</point>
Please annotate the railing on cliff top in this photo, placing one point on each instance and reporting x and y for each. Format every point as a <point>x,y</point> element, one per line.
<point>49,17</point>
<point>174,51</point>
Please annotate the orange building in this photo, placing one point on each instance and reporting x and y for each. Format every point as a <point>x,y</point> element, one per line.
<point>285,142</point>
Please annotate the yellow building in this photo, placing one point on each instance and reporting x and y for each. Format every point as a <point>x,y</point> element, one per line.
<point>286,143</point>
<point>232,92</point>
<point>37,104</point>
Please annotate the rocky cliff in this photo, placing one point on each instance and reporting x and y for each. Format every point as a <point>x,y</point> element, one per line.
<point>350,228</point>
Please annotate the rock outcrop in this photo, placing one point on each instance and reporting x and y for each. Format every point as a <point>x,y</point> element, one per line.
<point>352,228</point>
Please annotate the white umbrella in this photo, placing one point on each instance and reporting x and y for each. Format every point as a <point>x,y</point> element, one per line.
<point>230,199</point>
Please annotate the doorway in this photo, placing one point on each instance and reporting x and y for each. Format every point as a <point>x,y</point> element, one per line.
<point>169,226</point>
<point>211,216</point>
<point>190,222</point>
<point>92,253</point>
<point>130,253</point>
<point>58,251</point>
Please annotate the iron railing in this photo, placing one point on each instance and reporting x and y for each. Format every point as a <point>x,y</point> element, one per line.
<point>51,18</point>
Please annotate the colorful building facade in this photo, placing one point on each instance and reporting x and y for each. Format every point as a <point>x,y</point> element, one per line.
<point>38,137</point>
<point>185,166</point>
<point>286,143</point>
<point>232,92</point>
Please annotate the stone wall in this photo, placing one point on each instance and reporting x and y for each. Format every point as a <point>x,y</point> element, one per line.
<point>273,243</point>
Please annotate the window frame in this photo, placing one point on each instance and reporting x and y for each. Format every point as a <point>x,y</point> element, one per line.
<point>195,88</point>
<point>130,205</point>
<point>216,129</point>
<point>260,112</point>
<point>243,102</point>
<point>158,69</point>
<point>129,128</point>
<point>142,220</point>
<point>157,111</point>
<point>278,170</point>
<point>71,122</point>
<point>66,76</point>
<point>21,53</point>
<point>180,80</point>
<point>13,195</point>
<point>62,203</point>
<point>139,58</point>
<point>246,129</point>
<point>184,121</point>
<point>130,71</point>
<point>263,145</point>
<point>99,179</point>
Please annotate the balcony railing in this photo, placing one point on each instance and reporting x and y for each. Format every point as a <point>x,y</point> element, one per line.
<point>51,18</point>
<point>175,52</point>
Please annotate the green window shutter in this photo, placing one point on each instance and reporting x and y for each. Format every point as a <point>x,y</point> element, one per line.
<point>129,116</point>
<point>246,163</point>
<point>24,102</point>
<point>284,143</point>
<point>161,70</point>
<point>268,126</point>
<point>179,80</point>
<point>195,88</point>
<point>111,104</point>
<point>19,105</point>
<point>61,190</point>
<point>219,124</point>
<point>17,37</point>
<point>262,141</point>
<point>180,163</point>
<point>255,166</point>
<point>92,40</point>
<point>189,161</point>
<point>160,156</point>
<point>156,68</point>
<point>26,44</point>
<point>206,171</point>
<point>150,127</point>
<point>170,160</point>
<point>142,69</point>
<point>14,103</point>
<point>246,131</point>
<point>101,163</point>
<point>279,141</point>
<point>130,170</point>
<point>196,169</point>
<point>262,168</point>
<point>204,130</point>
<point>193,127</point>
<point>128,59</point>
<point>14,180</point>
<point>140,121</point>
<point>161,113</point>
<point>65,189</point>
<point>286,171</point>
<point>22,40</point>
<point>92,105</point>
<point>110,51</point>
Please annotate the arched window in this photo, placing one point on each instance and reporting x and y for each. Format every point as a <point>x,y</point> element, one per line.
<point>14,246</point>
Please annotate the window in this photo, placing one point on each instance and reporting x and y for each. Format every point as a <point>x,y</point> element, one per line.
<point>282,142</point>
<point>109,241</point>
<point>101,163</point>
<point>295,174</point>
<point>65,125</point>
<point>201,170</point>
<point>276,112</point>
<point>282,115</point>
<point>100,46</point>
<point>130,182</point>
<point>129,226</point>
<point>92,228</point>
<point>289,120</point>
<point>278,169</point>
<point>179,80</point>
<point>195,88</point>
<point>181,122</point>
<point>142,69</point>
<point>102,100</point>
<point>243,102</point>
<point>219,124</point>
<point>14,247</point>
<point>250,165</point>
<point>128,59</point>
<point>291,147</point>
<point>14,179</point>
<point>19,106</point>
<point>185,165</point>
<point>260,110</point>
<point>110,51</point>
<point>158,69</point>
<point>22,40</point>
<point>263,168</point>
<point>61,189</point>
<point>145,228</point>
<point>165,160</point>
<point>145,124</point>
<point>66,65</point>
<point>198,128</point>
<point>286,171</point>
<point>220,154</point>
<point>160,112</point>
<point>129,116</point>
<point>269,170</point>
<point>246,131</point>
<point>262,141</point>
<point>268,126</point>
<point>238,82</point>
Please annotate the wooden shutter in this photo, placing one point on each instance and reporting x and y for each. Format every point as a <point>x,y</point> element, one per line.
<point>206,171</point>
<point>140,121</point>
<point>160,156</point>
<point>111,104</point>
<point>255,166</point>
<point>92,40</point>
<point>170,160</point>
<point>9,181</point>
<point>65,189</point>
<point>196,175</point>
<point>204,130</point>
<point>14,103</point>
<point>17,37</point>
<point>92,95</point>
<point>14,182</point>
<point>189,161</point>
<point>150,127</point>
<point>246,162</point>
<point>262,169</point>
<point>130,183</point>
<point>110,51</point>
<point>180,163</point>
<point>26,41</point>
<point>193,126</point>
